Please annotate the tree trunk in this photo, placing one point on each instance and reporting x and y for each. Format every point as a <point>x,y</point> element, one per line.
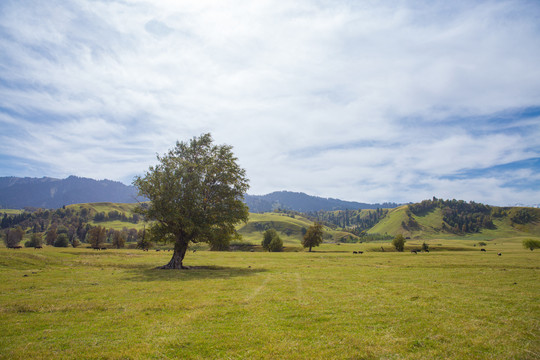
<point>310,249</point>
<point>180,248</point>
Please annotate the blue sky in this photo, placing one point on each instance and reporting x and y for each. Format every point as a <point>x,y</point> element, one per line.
<point>367,101</point>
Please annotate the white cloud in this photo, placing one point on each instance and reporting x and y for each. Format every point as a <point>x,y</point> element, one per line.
<point>335,99</point>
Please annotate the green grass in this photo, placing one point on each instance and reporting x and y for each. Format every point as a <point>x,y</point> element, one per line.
<point>329,304</point>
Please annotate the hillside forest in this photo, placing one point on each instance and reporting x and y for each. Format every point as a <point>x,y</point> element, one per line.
<point>114,225</point>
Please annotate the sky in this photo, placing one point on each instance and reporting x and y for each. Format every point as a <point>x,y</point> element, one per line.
<point>369,101</point>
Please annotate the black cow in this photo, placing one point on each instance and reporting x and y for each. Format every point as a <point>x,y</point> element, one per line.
<point>483,250</point>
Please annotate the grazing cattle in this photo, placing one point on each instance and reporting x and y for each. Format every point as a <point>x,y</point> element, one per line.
<point>15,247</point>
<point>38,247</point>
<point>360,252</point>
<point>96,248</point>
<point>103,248</point>
<point>158,250</point>
<point>414,251</point>
<point>483,250</point>
<point>354,252</point>
<point>499,254</point>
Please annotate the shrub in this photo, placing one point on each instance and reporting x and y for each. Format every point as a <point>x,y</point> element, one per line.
<point>531,244</point>
<point>35,240</point>
<point>144,244</point>
<point>399,242</point>
<point>61,241</point>
<point>271,241</point>
<point>276,244</point>
<point>267,238</point>
<point>12,237</point>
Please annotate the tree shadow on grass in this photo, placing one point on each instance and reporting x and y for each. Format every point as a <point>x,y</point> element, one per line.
<point>193,273</point>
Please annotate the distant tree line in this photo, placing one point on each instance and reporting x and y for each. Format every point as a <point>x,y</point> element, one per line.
<point>66,226</point>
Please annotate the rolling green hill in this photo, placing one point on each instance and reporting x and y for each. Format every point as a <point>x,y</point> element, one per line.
<point>428,220</point>
<point>289,228</point>
<point>430,225</point>
<point>391,223</point>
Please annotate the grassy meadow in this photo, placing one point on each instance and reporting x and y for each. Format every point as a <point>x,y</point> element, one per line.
<point>77,303</point>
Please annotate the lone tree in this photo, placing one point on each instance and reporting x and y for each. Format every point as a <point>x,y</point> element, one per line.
<point>196,195</point>
<point>399,242</point>
<point>313,236</point>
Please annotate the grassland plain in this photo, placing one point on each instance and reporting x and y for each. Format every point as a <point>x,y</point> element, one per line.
<point>329,304</point>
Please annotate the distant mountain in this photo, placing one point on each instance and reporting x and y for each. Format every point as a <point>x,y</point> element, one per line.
<point>50,193</point>
<point>303,203</point>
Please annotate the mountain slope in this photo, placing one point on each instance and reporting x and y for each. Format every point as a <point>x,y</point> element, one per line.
<point>17,193</point>
<point>304,203</point>
<point>50,193</point>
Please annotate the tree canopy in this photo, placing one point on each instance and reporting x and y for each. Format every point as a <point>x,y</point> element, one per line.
<point>313,236</point>
<point>196,195</point>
